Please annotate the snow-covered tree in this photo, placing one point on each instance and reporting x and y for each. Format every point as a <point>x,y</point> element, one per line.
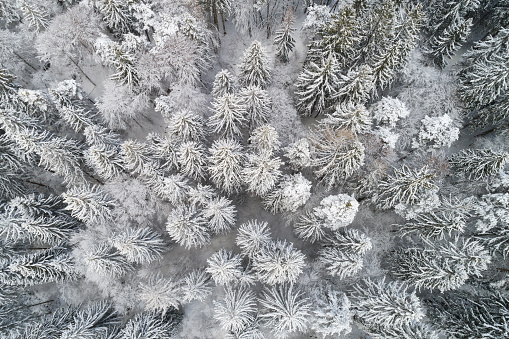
<point>406,187</point>
<point>265,139</point>
<point>388,111</point>
<point>173,187</point>
<point>445,45</point>
<point>355,87</point>
<point>187,227</point>
<point>336,155</point>
<point>196,286</point>
<point>254,68</point>
<point>224,83</point>
<point>160,294</point>
<point>200,195</point>
<point>35,206</point>
<point>492,220</point>
<point>106,260</point>
<point>105,161</point>
<point>136,157</point>
<point>285,310</point>
<point>140,246</point>
<point>337,210</point>
<point>278,262</point>
<point>220,213</point>
<point>224,267</point>
<point>253,236</point>
<point>298,154</point>
<point>7,85</point>
<point>349,240</point>
<point>283,39</point>
<point>186,126</point>
<point>116,14</point>
<point>292,192</point>
<point>226,163</point>
<point>121,57</point>
<point>317,87</point>
<point>479,164</point>
<point>236,310</point>
<point>192,160</point>
<point>257,105</point>
<point>36,18</point>
<point>229,116</point>
<point>354,118</point>
<point>94,320</point>
<point>434,225</point>
<point>162,148</point>
<point>437,132</point>
<point>261,173</point>
<point>89,204</point>
<point>150,325</point>
<point>330,312</point>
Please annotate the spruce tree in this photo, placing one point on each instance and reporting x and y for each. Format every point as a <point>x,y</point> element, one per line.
<point>257,104</point>
<point>224,267</point>
<point>36,18</point>
<point>354,118</point>
<point>139,246</point>
<point>116,14</point>
<point>237,310</point>
<point>187,227</point>
<point>479,164</point>
<point>283,39</point>
<point>331,314</point>
<point>291,193</point>
<point>105,260</point>
<point>254,68</point>
<point>356,85</point>
<point>252,237</point>
<point>89,204</point>
<point>224,83</point>
<point>186,126</point>
<point>261,173</point>
<point>160,294</point>
<point>265,139</point>
<point>191,159</point>
<point>220,213</point>
<point>445,45</point>
<point>229,116</point>
<point>226,163</point>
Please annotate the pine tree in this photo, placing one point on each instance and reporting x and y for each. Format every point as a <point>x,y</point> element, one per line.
<point>298,154</point>
<point>139,246</point>
<point>237,310</point>
<point>434,225</point>
<point>254,68</point>
<point>278,262</point>
<point>150,325</point>
<point>196,286</point>
<point>186,126</point>
<point>337,211</point>
<point>253,236</point>
<point>106,260</point>
<point>261,173</point>
<point>91,321</point>
<point>291,193</point>
<point>160,294</point>
<point>283,39</point>
<point>331,314</point>
<point>336,155</point>
<point>116,14</point>
<point>317,87</point>
<point>220,213</point>
<point>36,18</point>
<point>163,149</point>
<point>89,204</point>
<point>354,118</point>
<point>200,195</point>
<point>229,116</point>
<point>192,160</point>
<point>226,162</point>
<point>36,205</point>
<point>224,267</point>
<point>265,139</point>
<point>445,45</point>
<point>257,104</point>
<point>285,310</point>
<point>356,85</point>
<point>136,157</point>
<point>479,164</point>
<point>379,306</point>
<point>309,227</point>
<point>224,83</point>
<point>406,186</point>
<point>105,161</point>
<point>339,263</point>
<point>187,227</point>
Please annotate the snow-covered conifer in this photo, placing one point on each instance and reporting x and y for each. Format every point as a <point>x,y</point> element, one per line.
<point>337,210</point>
<point>492,213</point>
<point>309,227</point>
<point>317,87</point>
<point>224,83</point>
<point>106,260</point>
<point>349,240</point>
<point>336,155</point>
<point>121,57</point>
<point>160,294</point>
<point>196,286</point>
<point>388,111</point>
<point>261,173</point>
<point>89,204</point>
<point>356,85</point>
<point>149,325</point>
<point>36,18</point>
<point>186,126</point>
<point>278,262</point>
<point>6,83</point>
<point>339,263</point>
<point>199,195</point>
<point>283,39</point>
<point>253,236</point>
<point>224,267</point>
<point>140,245</point>
<point>331,314</point>
<point>135,156</point>
<point>105,161</point>
<point>162,148</point>
<point>354,118</point>
<point>436,131</point>
<point>236,310</point>
<point>285,310</point>
<point>406,186</point>
<point>265,139</point>
<point>94,320</point>
<point>257,104</point>
<point>445,45</point>
<point>187,227</point>
<point>220,213</point>
<point>298,154</point>
<point>254,68</point>
<point>292,192</point>
<point>434,225</point>
<point>384,305</point>
<point>479,164</point>
<point>192,160</point>
<point>36,205</point>
<point>116,14</point>
<point>229,116</point>
<point>226,163</point>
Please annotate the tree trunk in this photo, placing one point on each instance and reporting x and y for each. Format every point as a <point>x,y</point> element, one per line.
<point>82,72</point>
<point>268,22</point>
<point>214,14</point>
<point>222,20</point>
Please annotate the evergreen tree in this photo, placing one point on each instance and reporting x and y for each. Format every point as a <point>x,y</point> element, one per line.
<point>434,225</point>
<point>106,260</point>
<point>309,227</point>
<point>257,104</point>
<point>298,154</point>
<point>229,116</point>
<point>186,126</point>
<point>172,188</point>
<point>252,237</point>
<point>479,164</point>
<point>150,325</point>
<point>116,14</point>
<point>283,39</point>
<point>187,227</point>
<point>339,263</point>
<point>291,193</point>
<point>163,149</point>
<point>160,294</point>
<point>261,173</point>
<point>226,162</point>
<point>105,161</point>
<point>192,160</point>
<point>36,18</point>
<point>7,85</point>
<point>445,45</point>
<point>356,85</point>
<point>196,286</point>
<point>236,310</point>
<point>136,158</point>
<point>388,111</point>
<point>285,310</point>
<point>254,68</point>
<point>220,213</point>
<point>139,246</point>
<point>224,267</point>
<point>317,87</point>
<point>278,262</point>
<point>200,195</point>
<point>354,118</point>
<point>492,220</point>
<point>224,83</point>
<point>121,57</point>
<point>265,139</point>
<point>91,321</point>
<point>331,314</point>
<point>89,204</point>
